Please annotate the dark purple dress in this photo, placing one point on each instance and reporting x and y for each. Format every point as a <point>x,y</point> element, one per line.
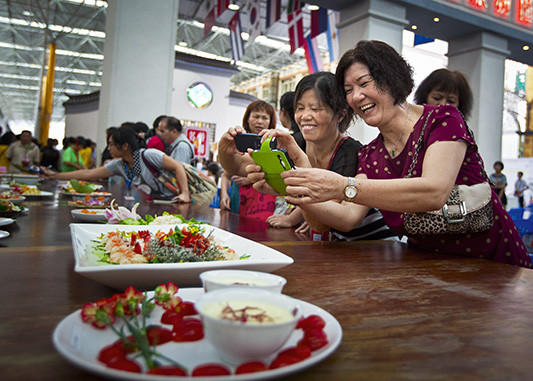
<point>502,243</point>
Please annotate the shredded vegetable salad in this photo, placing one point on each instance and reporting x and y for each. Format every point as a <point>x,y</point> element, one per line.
<point>188,244</point>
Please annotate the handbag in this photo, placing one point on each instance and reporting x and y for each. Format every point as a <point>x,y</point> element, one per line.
<point>468,209</point>
<point>201,187</point>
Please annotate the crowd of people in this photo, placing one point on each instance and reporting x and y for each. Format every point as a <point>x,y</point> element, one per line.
<point>18,153</point>
<point>424,151</point>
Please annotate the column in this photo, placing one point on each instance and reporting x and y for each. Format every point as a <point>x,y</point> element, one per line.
<point>138,62</point>
<point>371,20</point>
<point>481,57</point>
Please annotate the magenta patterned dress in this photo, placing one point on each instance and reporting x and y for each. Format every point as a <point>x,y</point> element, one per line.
<point>502,243</point>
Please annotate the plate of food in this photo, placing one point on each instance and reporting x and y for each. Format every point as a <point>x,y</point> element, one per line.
<point>153,254</point>
<point>89,215</point>
<point>88,202</point>
<point>82,345</point>
<point>9,209</point>
<point>85,197</point>
<point>15,198</point>
<point>81,186</point>
<point>20,178</point>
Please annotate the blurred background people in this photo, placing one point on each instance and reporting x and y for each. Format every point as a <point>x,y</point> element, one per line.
<point>50,156</point>
<point>520,186</point>
<point>286,117</point>
<point>71,159</point>
<point>499,182</point>
<point>178,146</point>
<point>5,141</point>
<point>23,153</point>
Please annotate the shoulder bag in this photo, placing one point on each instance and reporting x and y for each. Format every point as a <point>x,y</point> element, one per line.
<point>201,187</point>
<point>468,209</point>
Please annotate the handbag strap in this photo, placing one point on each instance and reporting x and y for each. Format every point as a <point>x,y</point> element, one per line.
<point>421,140</point>
<point>417,147</point>
<point>154,171</point>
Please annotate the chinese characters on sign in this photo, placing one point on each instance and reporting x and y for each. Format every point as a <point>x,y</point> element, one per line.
<point>524,12</point>
<point>517,12</point>
<point>199,139</point>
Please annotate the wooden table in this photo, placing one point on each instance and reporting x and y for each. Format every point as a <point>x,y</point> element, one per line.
<point>406,314</point>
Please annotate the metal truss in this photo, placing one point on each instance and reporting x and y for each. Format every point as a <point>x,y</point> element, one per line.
<point>78,28</point>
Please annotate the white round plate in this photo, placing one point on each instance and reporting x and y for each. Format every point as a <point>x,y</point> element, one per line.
<point>40,194</point>
<point>80,343</point>
<point>96,215</point>
<point>4,234</point>
<point>6,221</point>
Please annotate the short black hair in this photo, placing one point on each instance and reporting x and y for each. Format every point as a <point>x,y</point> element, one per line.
<point>158,120</point>
<point>123,135</point>
<point>328,94</point>
<point>286,102</point>
<point>447,81</point>
<point>173,123</point>
<point>389,70</point>
<point>498,163</point>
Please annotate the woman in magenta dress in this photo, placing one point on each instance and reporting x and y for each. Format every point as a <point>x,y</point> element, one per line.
<point>376,81</point>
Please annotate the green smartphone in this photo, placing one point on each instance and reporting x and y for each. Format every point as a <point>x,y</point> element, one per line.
<point>273,161</point>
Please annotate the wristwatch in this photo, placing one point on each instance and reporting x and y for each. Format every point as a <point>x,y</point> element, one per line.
<point>351,190</point>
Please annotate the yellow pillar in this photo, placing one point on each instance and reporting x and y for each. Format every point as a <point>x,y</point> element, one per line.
<point>47,95</point>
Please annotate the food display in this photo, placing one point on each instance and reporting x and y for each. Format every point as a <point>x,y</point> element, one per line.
<point>9,209</point>
<point>191,243</point>
<point>161,333</point>
<point>121,215</point>
<point>91,202</point>
<point>75,186</point>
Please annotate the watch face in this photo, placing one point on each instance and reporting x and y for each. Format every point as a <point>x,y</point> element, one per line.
<point>350,192</point>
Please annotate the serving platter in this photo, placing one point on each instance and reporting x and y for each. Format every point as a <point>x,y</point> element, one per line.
<point>149,276</point>
<point>95,215</point>
<point>20,178</point>
<point>80,343</point>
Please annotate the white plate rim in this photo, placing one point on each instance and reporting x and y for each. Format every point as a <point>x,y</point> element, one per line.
<point>6,221</point>
<point>332,328</point>
<point>4,234</point>
<point>76,213</point>
<point>41,194</point>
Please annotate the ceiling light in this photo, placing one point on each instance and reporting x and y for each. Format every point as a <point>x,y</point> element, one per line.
<point>525,47</point>
<point>414,27</point>
<point>312,7</point>
<point>436,19</point>
<point>233,7</point>
<point>183,43</point>
<point>27,13</point>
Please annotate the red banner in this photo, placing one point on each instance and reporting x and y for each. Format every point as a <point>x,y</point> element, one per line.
<point>199,138</point>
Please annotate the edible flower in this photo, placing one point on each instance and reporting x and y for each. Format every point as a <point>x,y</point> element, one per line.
<point>114,216</point>
<point>99,314</point>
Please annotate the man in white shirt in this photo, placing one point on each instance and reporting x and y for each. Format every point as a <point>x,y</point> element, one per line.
<point>23,153</point>
<point>520,187</point>
<point>179,147</point>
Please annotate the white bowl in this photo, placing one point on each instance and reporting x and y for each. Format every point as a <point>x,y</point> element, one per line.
<point>237,341</point>
<point>217,279</point>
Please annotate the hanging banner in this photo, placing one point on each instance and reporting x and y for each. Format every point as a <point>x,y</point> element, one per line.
<point>199,138</point>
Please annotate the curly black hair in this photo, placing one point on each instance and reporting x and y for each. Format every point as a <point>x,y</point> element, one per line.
<point>389,70</point>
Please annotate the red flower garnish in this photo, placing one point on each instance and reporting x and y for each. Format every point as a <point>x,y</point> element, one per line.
<point>168,370</point>
<point>165,296</point>
<point>251,367</point>
<point>210,370</point>
<point>189,329</point>
<point>99,314</point>
<point>128,302</point>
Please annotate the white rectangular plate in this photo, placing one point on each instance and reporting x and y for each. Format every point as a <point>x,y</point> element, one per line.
<point>149,276</point>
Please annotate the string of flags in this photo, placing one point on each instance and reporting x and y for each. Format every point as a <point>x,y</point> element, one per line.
<point>322,21</point>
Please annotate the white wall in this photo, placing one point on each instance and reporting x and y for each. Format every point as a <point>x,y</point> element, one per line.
<point>82,124</point>
<point>220,111</point>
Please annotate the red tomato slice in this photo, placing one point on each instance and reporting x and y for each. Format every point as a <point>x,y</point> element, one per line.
<point>251,367</point>
<point>168,370</point>
<point>210,370</point>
